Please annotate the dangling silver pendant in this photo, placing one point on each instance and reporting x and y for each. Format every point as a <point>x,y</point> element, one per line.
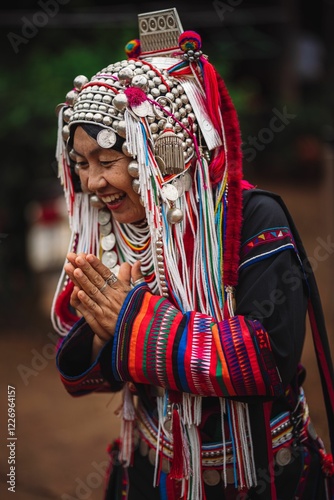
<point>174,215</point>
<point>169,148</point>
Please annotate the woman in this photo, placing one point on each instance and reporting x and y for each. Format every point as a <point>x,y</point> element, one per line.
<point>185,287</point>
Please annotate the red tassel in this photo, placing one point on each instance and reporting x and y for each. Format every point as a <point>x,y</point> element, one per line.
<point>211,92</point>
<point>176,471</point>
<point>234,162</point>
<point>327,463</point>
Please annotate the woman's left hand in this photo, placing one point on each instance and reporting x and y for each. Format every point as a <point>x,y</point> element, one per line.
<point>96,299</point>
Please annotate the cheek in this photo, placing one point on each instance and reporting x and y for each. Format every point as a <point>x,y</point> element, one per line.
<point>83,176</point>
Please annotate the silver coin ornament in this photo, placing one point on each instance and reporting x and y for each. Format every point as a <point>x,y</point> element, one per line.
<point>108,241</point>
<point>211,477</point>
<point>109,259</point>
<point>106,138</point>
<point>104,216</point>
<point>170,192</point>
<point>105,229</point>
<point>143,109</point>
<point>283,456</point>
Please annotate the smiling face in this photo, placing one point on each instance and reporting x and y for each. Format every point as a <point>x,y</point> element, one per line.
<point>104,172</point>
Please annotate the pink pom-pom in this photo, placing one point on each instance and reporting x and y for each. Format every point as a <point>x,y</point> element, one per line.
<point>133,49</point>
<point>190,40</point>
<point>135,96</point>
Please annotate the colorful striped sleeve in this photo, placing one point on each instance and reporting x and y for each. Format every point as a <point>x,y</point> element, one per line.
<point>156,344</point>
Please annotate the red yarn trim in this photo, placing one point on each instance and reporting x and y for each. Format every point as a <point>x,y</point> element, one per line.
<point>234,178</point>
<point>176,471</point>
<point>62,306</point>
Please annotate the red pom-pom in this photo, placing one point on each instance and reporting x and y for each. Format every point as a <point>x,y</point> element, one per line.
<point>190,40</point>
<point>133,49</point>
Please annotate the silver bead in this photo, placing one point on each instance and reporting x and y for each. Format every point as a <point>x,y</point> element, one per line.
<point>67,114</point>
<point>155,93</point>
<point>95,201</point>
<point>107,120</point>
<point>120,102</point>
<point>125,149</point>
<point>133,169</point>
<point>174,215</point>
<point>140,82</point>
<point>65,132</point>
<point>121,128</point>
<point>136,185</point>
<point>125,75</point>
<point>71,97</point>
<point>107,99</point>
<point>154,128</point>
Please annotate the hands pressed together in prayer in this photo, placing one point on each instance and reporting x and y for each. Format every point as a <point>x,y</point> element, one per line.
<point>97,295</point>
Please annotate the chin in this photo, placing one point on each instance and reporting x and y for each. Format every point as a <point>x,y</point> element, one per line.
<point>127,219</point>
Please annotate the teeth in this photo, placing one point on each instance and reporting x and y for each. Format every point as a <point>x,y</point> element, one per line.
<point>111,198</point>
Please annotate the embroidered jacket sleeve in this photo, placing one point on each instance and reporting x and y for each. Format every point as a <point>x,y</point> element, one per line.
<point>77,373</point>
<point>272,286</point>
<point>238,357</point>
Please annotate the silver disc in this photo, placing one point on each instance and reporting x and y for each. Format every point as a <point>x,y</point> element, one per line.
<point>211,477</point>
<point>104,216</point>
<point>109,258</point>
<point>108,242</point>
<point>106,138</point>
<point>170,192</point>
<point>283,456</point>
<point>143,109</point>
<point>105,229</point>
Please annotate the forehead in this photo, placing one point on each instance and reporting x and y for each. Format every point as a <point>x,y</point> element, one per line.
<point>84,144</point>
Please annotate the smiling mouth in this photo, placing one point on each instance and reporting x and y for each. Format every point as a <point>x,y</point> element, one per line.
<point>113,199</point>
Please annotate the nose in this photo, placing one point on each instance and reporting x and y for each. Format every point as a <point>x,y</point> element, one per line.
<point>96,180</point>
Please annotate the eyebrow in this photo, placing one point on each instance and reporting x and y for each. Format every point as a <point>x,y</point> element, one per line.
<point>95,150</point>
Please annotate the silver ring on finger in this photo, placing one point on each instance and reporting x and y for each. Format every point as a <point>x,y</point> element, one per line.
<point>112,279</point>
<point>138,281</point>
<point>104,286</point>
